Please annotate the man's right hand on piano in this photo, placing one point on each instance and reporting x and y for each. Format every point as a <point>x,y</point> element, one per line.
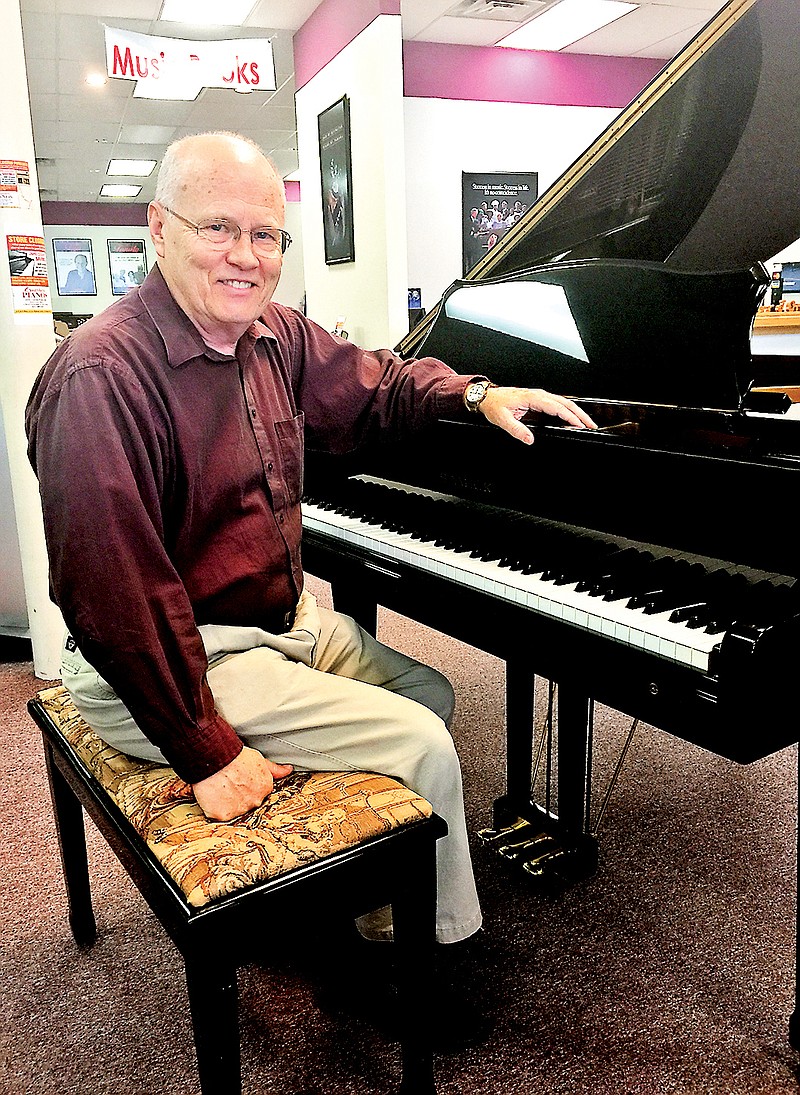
<point>504,407</point>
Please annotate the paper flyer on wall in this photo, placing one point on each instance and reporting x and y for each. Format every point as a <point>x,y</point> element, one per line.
<point>15,184</point>
<point>28,268</point>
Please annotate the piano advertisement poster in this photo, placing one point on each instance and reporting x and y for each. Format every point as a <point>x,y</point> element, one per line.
<point>127,264</point>
<point>491,204</point>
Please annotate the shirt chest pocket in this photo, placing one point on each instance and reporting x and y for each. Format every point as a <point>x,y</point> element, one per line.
<point>289,435</point>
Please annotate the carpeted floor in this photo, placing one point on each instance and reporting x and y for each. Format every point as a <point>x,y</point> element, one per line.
<point>671,971</point>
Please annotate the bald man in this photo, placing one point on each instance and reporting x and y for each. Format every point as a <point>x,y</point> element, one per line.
<point>168,434</point>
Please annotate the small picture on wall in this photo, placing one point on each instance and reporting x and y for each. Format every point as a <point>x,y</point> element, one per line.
<point>127,263</point>
<point>336,173</point>
<point>74,268</point>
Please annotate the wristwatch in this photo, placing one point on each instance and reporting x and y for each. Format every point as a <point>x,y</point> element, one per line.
<point>475,393</point>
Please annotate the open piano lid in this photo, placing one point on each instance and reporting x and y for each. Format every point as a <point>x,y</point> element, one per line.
<point>650,244</point>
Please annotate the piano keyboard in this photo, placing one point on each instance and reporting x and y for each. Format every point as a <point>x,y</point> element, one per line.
<point>605,585</point>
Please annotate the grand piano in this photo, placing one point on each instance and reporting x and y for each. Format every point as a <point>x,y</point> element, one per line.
<point>650,565</point>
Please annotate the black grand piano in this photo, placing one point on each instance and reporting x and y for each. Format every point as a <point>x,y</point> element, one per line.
<point>651,565</point>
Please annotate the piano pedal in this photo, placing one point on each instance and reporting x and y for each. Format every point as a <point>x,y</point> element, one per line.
<point>520,829</point>
<point>522,849</point>
<point>542,866</point>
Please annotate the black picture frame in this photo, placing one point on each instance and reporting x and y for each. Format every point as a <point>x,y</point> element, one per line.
<point>336,177</point>
<point>491,204</point>
<point>74,278</point>
<point>127,265</point>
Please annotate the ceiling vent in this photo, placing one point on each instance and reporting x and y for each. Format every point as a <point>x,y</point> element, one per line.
<point>509,11</point>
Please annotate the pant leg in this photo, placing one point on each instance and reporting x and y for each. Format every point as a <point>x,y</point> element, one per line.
<point>332,717</point>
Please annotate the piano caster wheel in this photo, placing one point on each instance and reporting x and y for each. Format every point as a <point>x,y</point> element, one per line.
<point>521,849</point>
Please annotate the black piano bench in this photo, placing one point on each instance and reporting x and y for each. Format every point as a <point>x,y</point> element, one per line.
<point>350,841</point>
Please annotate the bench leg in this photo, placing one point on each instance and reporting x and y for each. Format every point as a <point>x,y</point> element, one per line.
<point>414,920</point>
<point>213,1001</point>
<point>68,814</point>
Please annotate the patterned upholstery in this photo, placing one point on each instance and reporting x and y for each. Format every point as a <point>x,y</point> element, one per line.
<point>309,815</point>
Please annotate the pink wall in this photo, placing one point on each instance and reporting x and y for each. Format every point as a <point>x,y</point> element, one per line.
<point>437,70</point>
<point>326,32</point>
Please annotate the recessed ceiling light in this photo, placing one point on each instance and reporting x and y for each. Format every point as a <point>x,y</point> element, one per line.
<point>119,190</point>
<point>565,23</point>
<point>206,13</point>
<point>96,79</point>
<point>139,168</point>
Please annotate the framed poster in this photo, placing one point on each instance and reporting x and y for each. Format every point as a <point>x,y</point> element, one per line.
<point>336,172</point>
<point>491,204</point>
<point>74,268</point>
<point>127,264</point>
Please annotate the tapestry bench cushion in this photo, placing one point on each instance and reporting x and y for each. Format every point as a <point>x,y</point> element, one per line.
<point>308,816</point>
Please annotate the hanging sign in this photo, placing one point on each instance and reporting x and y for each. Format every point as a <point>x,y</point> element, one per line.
<point>28,269</point>
<point>175,68</point>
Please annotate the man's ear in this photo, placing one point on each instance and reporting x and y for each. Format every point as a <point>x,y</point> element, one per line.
<point>155,221</point>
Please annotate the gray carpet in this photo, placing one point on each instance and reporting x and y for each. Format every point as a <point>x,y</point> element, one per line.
<point>670,971</point>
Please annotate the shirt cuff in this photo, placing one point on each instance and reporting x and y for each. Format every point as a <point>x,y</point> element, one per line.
<point>208,751</point>
<point>450,395</point>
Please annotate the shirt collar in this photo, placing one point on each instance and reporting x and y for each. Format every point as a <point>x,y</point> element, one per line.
<point>182,340</point>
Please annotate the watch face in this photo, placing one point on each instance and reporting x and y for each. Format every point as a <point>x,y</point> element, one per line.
<point>475,392</point>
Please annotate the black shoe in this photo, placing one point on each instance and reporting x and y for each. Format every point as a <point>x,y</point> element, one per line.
<point>365,986</point>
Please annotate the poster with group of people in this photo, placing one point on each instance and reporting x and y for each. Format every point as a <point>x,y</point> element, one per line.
<point>491,205</point>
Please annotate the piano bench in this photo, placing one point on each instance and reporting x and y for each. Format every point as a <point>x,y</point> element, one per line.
<point>352,841</point>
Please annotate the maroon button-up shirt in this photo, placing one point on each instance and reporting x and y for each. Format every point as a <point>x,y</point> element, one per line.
<point>171,477</point>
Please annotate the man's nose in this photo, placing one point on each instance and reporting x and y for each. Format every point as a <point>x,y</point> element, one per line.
<point>241,252</point>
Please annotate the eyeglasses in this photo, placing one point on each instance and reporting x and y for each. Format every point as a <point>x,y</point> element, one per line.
<point>223,234</point>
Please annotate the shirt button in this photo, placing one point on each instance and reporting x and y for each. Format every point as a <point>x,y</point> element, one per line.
<point>252,412</point>
<point>280,519</point>
<point>269,466</point>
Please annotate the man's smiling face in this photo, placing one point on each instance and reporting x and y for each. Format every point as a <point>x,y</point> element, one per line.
<point>222,291</point>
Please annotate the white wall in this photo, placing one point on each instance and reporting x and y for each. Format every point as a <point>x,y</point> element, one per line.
<point>372,291</point>
<point>444,137</point>
<point>290,288</point>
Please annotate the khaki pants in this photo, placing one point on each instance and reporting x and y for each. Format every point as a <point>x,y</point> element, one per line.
<point>309,698</point>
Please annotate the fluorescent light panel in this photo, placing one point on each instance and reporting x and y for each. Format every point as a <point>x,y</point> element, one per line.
<point>119,190</point>
<point>206,13</point>
<point>139,168</point>
<point>566,23</point>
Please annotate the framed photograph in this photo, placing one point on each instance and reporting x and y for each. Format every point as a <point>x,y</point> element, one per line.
<point>127,264</point>
<point>491,205</point>
<point>74,264</point>
<point>336,175</point>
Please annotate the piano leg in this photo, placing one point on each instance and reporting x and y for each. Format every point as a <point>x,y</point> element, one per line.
<point>356,602</point>
<point>794,1021</point>
<point>575,784</point>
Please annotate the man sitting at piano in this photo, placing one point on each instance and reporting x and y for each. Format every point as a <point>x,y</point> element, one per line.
<point>168,436</point>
